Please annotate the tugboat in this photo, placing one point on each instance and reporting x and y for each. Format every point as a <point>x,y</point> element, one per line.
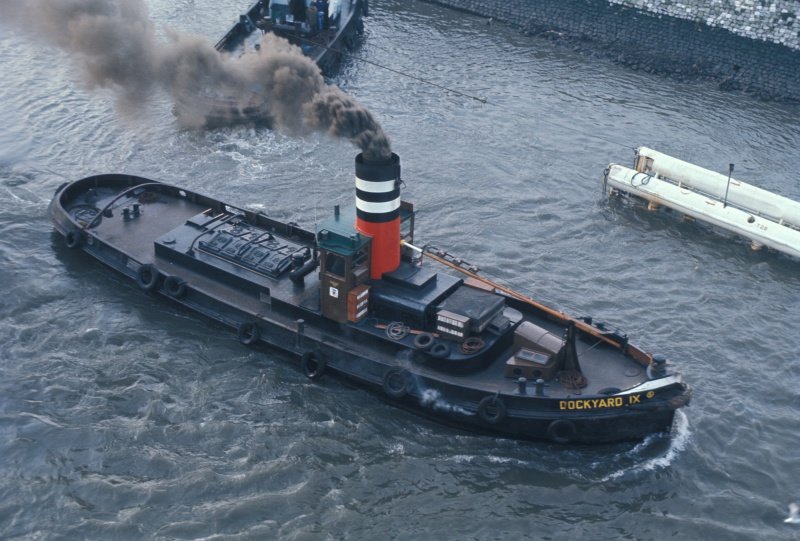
<point>357,298</point>
<point>257,31</point>
<point>289,19</point>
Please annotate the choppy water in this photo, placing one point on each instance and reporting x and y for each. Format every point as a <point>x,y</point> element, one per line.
<point>122,418</point>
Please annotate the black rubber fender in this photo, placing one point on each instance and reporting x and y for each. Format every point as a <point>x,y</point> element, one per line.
<point>175,286</point>
<point>147,276</point>
<point>440,350</point>
<point>313,364</point>
<point>562,431</point>
<point>73,239</point>
<point>248,333</point>
<point>423,341</point>
<point>492,409</point>
<point>396,382</point>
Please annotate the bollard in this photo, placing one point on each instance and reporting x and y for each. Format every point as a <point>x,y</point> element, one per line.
<point>540,387</point>
<point>522,386</point>
<point>301,327</point>
<point>658,367</point>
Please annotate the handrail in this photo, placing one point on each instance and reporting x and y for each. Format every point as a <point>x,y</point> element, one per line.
<point>123,193</point>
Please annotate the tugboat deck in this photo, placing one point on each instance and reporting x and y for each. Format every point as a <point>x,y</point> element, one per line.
<point>600,363</point>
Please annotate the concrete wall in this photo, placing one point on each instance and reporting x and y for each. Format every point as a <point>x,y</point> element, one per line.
<point>659,43</point>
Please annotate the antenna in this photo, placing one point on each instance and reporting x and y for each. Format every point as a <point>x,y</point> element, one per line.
<point>728,187</point>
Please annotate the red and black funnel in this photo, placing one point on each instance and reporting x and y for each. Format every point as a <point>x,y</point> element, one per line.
<point>378,210</point>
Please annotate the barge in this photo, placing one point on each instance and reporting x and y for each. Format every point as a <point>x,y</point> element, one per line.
<point>764,218</point>
<point>358,298</point>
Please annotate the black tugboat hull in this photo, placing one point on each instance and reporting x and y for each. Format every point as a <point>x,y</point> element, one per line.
<point>90,215</point>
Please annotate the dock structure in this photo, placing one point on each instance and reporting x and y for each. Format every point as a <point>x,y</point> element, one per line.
<point>767,219</point>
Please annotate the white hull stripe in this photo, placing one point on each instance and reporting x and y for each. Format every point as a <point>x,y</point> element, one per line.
<point>375,187</point>
<point>378,208</point>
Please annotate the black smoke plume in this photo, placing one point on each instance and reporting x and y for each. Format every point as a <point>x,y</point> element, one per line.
<point>115,45</point>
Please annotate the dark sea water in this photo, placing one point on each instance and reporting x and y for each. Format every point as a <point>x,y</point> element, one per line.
<point>124,418</point>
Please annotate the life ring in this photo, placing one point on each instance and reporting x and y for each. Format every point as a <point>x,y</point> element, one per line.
<point>73,239</point>
<point>440,350</point>
<point>423,341</point>
<point>562,431</point>
<point>492,409</point>
<point>175,286</point>
<point>147,276</point>
<point>396,382</point>
<point>313,364</point>
<point>248,333</point>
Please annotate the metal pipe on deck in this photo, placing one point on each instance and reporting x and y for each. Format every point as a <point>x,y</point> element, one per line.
<point>765,218</point>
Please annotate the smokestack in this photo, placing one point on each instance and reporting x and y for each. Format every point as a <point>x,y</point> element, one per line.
<point>118,47</point>
<point>378,210</point>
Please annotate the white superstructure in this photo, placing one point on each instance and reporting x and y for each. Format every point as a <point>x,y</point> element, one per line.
<point>767,219</point>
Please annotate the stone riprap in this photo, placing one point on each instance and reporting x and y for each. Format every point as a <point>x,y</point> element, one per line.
<point>657,42</point>
<point>774,21</point>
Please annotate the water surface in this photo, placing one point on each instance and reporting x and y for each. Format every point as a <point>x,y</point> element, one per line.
<point>122,417</point>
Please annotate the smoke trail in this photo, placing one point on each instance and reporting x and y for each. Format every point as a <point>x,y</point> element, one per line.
<point>116,46</point>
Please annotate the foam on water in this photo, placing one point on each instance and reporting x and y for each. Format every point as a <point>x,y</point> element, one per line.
<point>679,438</point>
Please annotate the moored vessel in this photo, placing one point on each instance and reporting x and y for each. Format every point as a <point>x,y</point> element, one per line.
<point>357,298</point>
<point>277,28</point>
<point>290,19</point>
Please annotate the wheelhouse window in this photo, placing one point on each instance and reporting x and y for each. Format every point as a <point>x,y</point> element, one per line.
<point>335,264</point>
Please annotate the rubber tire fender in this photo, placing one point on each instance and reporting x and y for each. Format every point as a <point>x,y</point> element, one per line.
<point>440,350</point>
<point>175,286</point>
<point>396,382</point>
<point>248,333</point>
<point>147,276</point>
<point>562,431</point>
<point>485,409</point>
<point>423,341</point>
<point>314,364</point>
<point>73,239</point>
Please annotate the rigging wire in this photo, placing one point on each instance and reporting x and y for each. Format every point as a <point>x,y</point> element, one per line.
<point>404,74</point>
<point>481,99</point>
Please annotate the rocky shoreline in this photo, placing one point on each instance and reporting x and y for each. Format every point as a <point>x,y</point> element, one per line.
<point>655,42</point>
<point>773,21</point>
